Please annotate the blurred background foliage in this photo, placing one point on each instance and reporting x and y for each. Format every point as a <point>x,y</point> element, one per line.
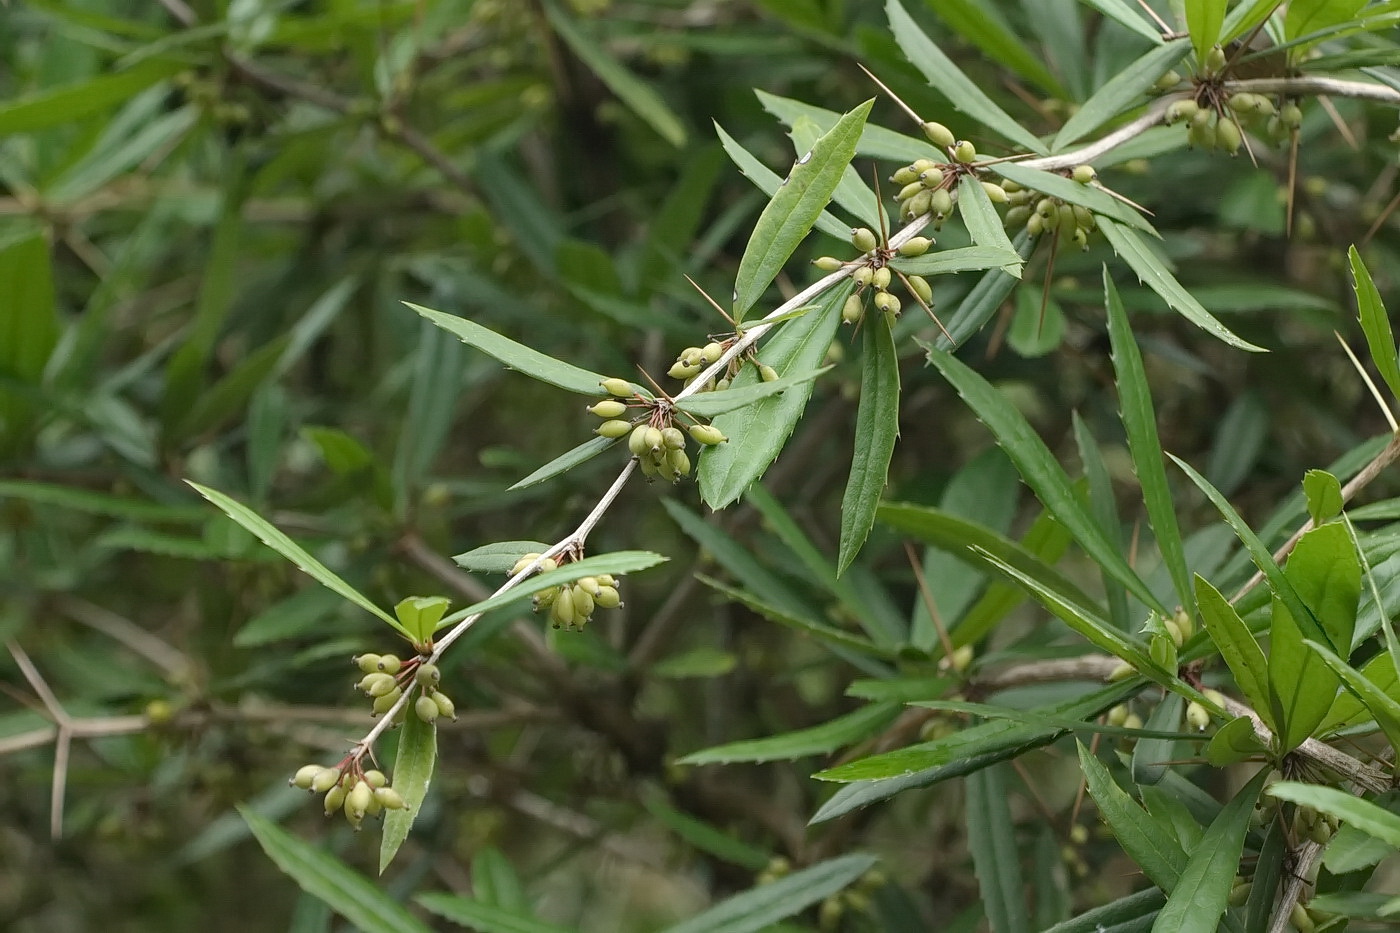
<point>210,214</point>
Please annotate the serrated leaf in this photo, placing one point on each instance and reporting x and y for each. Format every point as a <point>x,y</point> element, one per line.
<point>566,461</point>
<point>877,428</point>
<point>711,404</point>
<point>617,562</point>
<point>1202,892</point>
<point>1234,742</point>
<point>639,96</point>
<point>996,858</point>
<point>325,877</point>
<point>983,222</point>
<point>485,918</point>
<point>835,637</point>
<point>1157,277</point>
<point>1151,757</point>
<point>877,142</point>
<point>758,432</point>
<point>1203,21</point>
<point>1126,915</point>
<point>413,771</point>
<point>852,192</point>
<point>817,740</point>
<point>1140,424</point>
<point>1237,646</point>
<point>1041,471</point>
<point>767,181</point>
<point>269,535</point>
<point>1382,707</point>
<point>514,355</point>
<point>703,836</point>
<point>1375,323</point>
<point>1147,841</point>
<point>499,557</point>
<point>1124,90</point>
<point>766,904</point>
<point>1128,15</point>
<point>1371,819</point>
<point>792,212</point>
<point>946,77</point>
<point>1324,494</point>
<point>964,259</point>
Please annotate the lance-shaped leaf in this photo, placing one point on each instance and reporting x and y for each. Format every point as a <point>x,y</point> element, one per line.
<point>875,141</point>
<point>1372,819</point>
<point>413,770</point>
<point>516,355</point>
<point>1148,841</point>
<point>269,535</point>
<point>768,181</point>
<point>852,191</point>
<point>567,461</point>
<point>325,877</point>
<point>1124,90</point>
<point>1041,471</point>
<point>795,208</point>
<point>761,907</point>
<point>983,222</point>
<point>758,432</point>
<point>1128,15</point>
<point>1301,687</point>
<point>996,858</point>
<point>1152,271</point>
<point>1234,742</point>
<point>499,557</point>
<point>1129,914</point>
<point>710,404</point>
<point>835,637</point>
<point>1140,423</point>
<point>942,74</point>
<point>964,259</point>
<point>1375,323</point>
<point>978,305</point>
<point>877,427</point>
<point>1237,646</point>
<point>817,740</point>
<point>1203,21</point>
<point>1383,708</point>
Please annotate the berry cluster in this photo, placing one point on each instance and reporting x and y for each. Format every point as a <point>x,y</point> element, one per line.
<point>571,605</point>
<point>1216,118</point>
<point>873,273</point>
<point>348,788</point>
<point>655,441</point>
<point>387,678</point>
<point>1041,214</point>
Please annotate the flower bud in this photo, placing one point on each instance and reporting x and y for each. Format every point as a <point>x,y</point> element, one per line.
<point>965,152</point>
<point>706,434</point>
<point>863,239</point>
<point>613,428</point>
<point>1084,174</point>
<point>425,709</point>
<point>938,134</point>
<point>607,597</point>
<point>444,704</point>
<point>389,664</point>
<point>619,387</point>
<point>915,246</point>
<point>367,663</point>
<point>827,263</point>
<point>390,799</point>
<point>609,408</point>
<point>306,776</point>
<point>427,675</point>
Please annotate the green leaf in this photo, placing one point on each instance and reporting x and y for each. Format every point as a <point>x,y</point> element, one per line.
<point>515,355</point>
<point>877,427</point>
<point>1324,494</point>
<point>499,557</point>
<point>617,562</point>
<point>766,904</point>
<point>420,615</point>
<point>100,503</point>
<point>978,306</point>
<point>1122,91</point>
<point>875,142</point>
<point>971,542</point>
<point>757,433</point>
<point>981,24</point>
<point>791,213</point>
<point>996,858</point>
<point>767,181</point>
<point>28,327</point>
<point>1203,21</point>
<point>818,740</point>
<point>702,835</point>
<point>1244,17</point>
<point>495,881</point>
<point>1325,570</point>
<point>323,876</point>
<point>697,662</point>
<point>566,461</point>
<point>1151,270</point>
<point>269,535</point>
<point>1128,15</point>
<point>1371,819</point>
<point>1375,323</point>
<point>738,559</point>
<point>1147,841</point>
<point>1234,742</point>
<point>70,102</point>
<point>1301,687</point>
<point>639,96</point>
<point>1202,892</point>
<point>945,76</point>
<point>1237,646</point>
<point>1103,505</point>
<point>1304,17</point>
<point>710,404</point>
<point>1129,914</point>
<point>983,222</point>
<point>413,771</point>
<point>1151,759</point>
<point>964,259</point>
<point>1140,423</point>
<point>1383,708</point>
<point>820,630</point>
<point>852,192</point>
<point>1041,471</point>
<point>1037,325</point>
<point>486,918</point>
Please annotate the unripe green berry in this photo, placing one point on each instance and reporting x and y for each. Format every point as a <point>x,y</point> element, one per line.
<point>609,408</point>
<point>619,387</point>
<point>376,685</point>
<point>827,263</point>
<point>583,602</point>
<point>1167,81</point>
<point>711,352</point>
<point>904,175</point>
<point>654,439</point>
<point>853,310</point>
<point>1134,721</point>
<point>917,205</point>
<point>1181,110</point>
<point>1080,237</point>
<point>863,239</point>
<point>386,702</point>
<point>881,278</point>
<point>367,663</point>
<point>425,709</point>
<point>938,134</point>
<point>444,704</point>
<point>706,434</point>
<point>1228,136</point>
<point>376,778</point>
<point>681,370</point>
<point>908,191</point>
<point>915,246</point>
<point>325,780</point>
<point>613,429</point>
<point>306,776</point>
<point>1203,117</point>
<point>995,193</point>
<point>1084,174</point>
<point>932,177</point>
<point>390,799</point>
<point>672,437</point>
<point>1291,116</point>
<point>562,611</point>
<point>1121,671</point>
<point>940,203</point>
<point>679,463</point>
<point>961,658</point>
<point>721,385</point>
<point>1016,217</point>
<point>919,166</point>
<point>1197,717</point>
<point>637,440</point>
<point>1203,136</point>
<point>1117,715</point>
<point>964,151</point>
<point>607,579</point>
<point>607,597</point>
<point>335,797</point>
<point>920,286</point>
<point>1215,60</point>
<point>767,373</point>
<point>427,675</point>
<point>589,585</point>
<point>1239,894</point>
<point>863,276</point>
<point>886,302</point>
<point>1035,225</point>
<point>389,664</point>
